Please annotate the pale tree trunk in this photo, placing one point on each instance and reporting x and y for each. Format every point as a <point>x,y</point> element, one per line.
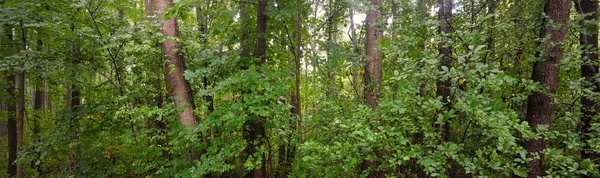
<point>372,75</point>
<point>589,43</point>
<point>545,71</point>
<point>175,66</point>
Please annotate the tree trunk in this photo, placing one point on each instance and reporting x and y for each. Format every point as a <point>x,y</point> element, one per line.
<point>11,126</point>
<point>175,66</point>
<point>206,82</point>
<point>254,126</point>
<point>445,50</point>
<point>545,71</point>
<point>21,103</point>
<point>589,44</point>
<point>372,75</point>
<point>38,107</point>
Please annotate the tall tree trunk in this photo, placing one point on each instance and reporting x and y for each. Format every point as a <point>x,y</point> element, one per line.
<point>491,44</point>
<point>21,103</point>
<point>254,126</point>
<point>12,126</point>
<point>545,71</point>
<point>443,84</point>
<point>589,44</point>
<point>203,30</point>
<point>445,50</point>
<point>74,102</point>
<point>175,66</point>
<point>160,125</point>
<point>290,150</point>
<point>372,75</point>
<point>39,110</point>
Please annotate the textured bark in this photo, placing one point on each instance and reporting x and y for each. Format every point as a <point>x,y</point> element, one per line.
<point>11,126</point>
<point>545,71</point>
<point>589,42</point>
<point>21,103</point>
<point>261,27</point>
<point>175,66</point>
<point>490,40</point>
<point>38,107</point>
<point>445,50</point>
<point>372,75</point>
<point>254,126</point>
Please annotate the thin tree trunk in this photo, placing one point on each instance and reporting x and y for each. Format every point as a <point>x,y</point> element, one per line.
<point>21,103</point>
<point>490,40</point>
<point>39,110</point>
<point>202,29</point>
<point>589,43</point>
<point>445,50</point>
<point>372,75</point>
<point>545,71</point>
<point>12,126</point>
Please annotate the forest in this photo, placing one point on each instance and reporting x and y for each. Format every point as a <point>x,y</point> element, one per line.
<point>299,88</point>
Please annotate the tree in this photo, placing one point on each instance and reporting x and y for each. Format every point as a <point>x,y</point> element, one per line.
<point>21,103</point>
<point>588,40</point>
<point>445,51</point>
<point>372,76</point>
<point>545,71</point>
<point>254,127</point>
<point>175,66</point>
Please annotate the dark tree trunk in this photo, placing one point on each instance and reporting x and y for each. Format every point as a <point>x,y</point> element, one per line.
<point>74,101</point>
<point>545,71</point>
<point>21,103</point>
<point>11,109</point>
<point>589,44</point>
<point>445,50</point>
<point>175,66</point>
<point>39,110</point>
<point>491,44</point>
<point>203,30</point>
<point>254,126</point>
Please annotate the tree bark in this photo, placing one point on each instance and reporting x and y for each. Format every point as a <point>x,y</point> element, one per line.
<point>11,126</point>
<point>21,103</point>
<point>38,107</point>
<point>254,126</point>
<point>545,71</point>
<point>445,50</point>
<point>588,40</point>
<point>372,75</point>
<point>175,66</point>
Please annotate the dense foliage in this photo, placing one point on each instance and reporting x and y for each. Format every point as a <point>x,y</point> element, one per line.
<point>97,100</point>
